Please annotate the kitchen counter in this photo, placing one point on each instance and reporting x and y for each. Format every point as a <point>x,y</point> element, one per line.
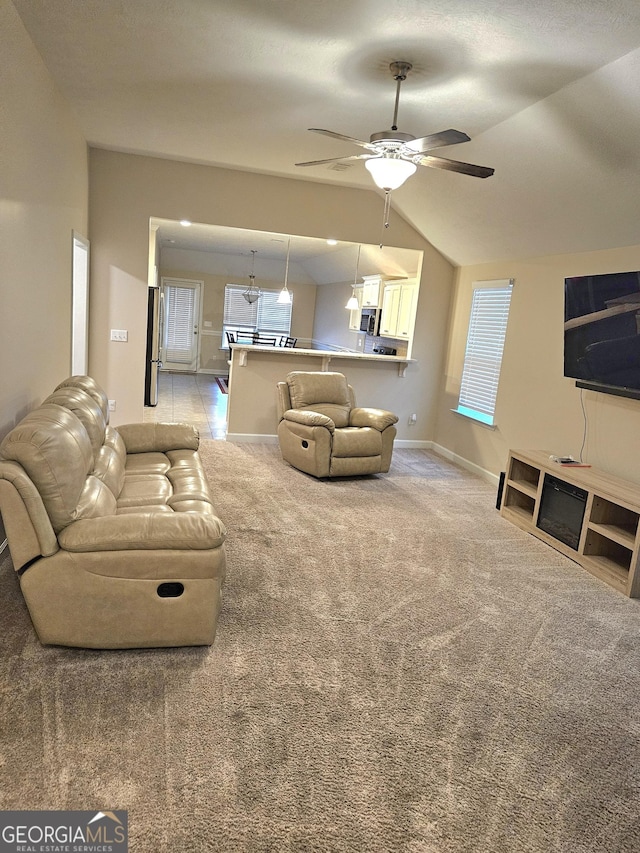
<point>327,356</point>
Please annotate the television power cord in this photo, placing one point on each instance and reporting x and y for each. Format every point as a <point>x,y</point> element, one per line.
<point>584,416</point>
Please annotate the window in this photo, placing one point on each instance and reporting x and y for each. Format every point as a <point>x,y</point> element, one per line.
<point>266,315</point>
<point>483,355</point>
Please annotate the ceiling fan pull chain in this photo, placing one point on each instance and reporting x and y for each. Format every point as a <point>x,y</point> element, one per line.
<point>385,215</point>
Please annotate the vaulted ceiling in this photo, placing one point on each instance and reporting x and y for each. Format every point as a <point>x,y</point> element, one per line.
<point>548,92</point>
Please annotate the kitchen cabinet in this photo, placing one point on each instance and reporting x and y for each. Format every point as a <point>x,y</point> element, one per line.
<point>398,310</point>
<point>371,291</point>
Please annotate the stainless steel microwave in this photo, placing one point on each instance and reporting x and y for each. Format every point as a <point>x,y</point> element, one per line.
<point>370,321</point>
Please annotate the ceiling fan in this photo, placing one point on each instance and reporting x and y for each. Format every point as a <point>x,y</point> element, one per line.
<point>392,156</point>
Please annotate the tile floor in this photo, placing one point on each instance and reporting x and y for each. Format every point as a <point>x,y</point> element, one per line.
<point>194,398</point>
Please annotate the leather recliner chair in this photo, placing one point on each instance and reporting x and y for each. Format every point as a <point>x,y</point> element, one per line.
<point>322,432</point>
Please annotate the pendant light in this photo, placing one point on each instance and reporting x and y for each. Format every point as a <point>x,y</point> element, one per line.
<point>284,297</point>
<point>252,293</point>
<point>352,304</point>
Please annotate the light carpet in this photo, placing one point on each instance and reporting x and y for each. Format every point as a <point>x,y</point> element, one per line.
<point>397,668</point>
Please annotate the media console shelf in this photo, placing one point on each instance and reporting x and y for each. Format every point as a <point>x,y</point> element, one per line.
<point>586,514</point>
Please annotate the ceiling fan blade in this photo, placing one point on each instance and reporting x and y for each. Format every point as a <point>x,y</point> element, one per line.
<point>456,166</point>
<point>335,160</point>
<point>344,138</point>
<point>438,140</point>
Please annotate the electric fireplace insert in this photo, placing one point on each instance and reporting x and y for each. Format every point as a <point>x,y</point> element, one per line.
<point>562,509</point>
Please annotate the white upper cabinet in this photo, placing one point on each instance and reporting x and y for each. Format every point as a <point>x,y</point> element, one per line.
<point>399,310</point>
<point>371,291</point>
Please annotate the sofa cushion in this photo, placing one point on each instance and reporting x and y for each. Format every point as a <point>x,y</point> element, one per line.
<point>109,467</point>
<point>188,484</point>
<point>357,441</point>
<point>147,463</point>
<point>149,437</point>
<point>89,385</point>
<point>324,392</point>
<point>87,410</point>
<point>96,499</point>
<point>54,449</point>
<point>143,490</point>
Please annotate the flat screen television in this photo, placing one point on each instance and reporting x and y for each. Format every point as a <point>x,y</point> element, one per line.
<point>602,332</point>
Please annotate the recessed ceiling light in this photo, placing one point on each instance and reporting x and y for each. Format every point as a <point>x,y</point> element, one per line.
<point>185,223</point>
<point>332,242</point>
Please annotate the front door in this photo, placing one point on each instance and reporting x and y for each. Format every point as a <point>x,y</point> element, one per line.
<point>181,324</point>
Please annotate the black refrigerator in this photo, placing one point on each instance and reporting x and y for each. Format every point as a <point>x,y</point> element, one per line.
<point>154,334</point>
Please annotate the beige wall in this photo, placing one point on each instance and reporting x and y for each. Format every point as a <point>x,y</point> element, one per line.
<point>331,324</point>
<point>126,190</point>
<point>536,406</point>
<point>43,199</point>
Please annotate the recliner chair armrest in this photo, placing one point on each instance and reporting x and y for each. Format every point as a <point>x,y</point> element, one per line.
<point>309,418</point>
<point>182,531</point>
<point>150,437</point>
<point>377,418</point>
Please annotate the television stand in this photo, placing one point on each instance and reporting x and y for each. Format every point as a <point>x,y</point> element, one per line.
<point>595,522</point>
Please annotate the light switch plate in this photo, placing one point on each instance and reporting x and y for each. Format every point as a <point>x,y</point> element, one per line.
<point>119,335</point>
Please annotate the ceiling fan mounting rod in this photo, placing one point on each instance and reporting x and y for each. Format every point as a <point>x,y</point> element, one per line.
<point>399,71</point>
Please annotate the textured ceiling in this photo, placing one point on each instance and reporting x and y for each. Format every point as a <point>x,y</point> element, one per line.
<point>548,92</point>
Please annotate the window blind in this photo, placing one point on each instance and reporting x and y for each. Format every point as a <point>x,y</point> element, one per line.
<point>266,314</point>
<point>237,311</point>
<point>180,308</point>
<point>273,316</point>
<point>483,355</point>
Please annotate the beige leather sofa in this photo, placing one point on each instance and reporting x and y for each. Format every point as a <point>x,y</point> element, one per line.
<point>323,433</point>
<point>112,532</point>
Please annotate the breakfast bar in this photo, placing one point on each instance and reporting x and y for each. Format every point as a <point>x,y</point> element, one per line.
<point>327,356</point>
<point>255,371</point>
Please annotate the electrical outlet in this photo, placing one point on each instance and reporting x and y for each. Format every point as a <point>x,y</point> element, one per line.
<point>413,419</point>
<point>112,405</point>
<point>119,335</point>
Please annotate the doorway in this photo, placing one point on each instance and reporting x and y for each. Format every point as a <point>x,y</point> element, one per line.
<point>80,306</point>
<point>182,300</point>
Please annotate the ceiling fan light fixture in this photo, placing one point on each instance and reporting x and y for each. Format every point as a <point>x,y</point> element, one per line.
<point>389,172</point>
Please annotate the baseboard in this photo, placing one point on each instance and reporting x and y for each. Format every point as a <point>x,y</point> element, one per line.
<point>465,463</point>
<point>402,443</point>
<point>249,438</point>
<point>412,443</point>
